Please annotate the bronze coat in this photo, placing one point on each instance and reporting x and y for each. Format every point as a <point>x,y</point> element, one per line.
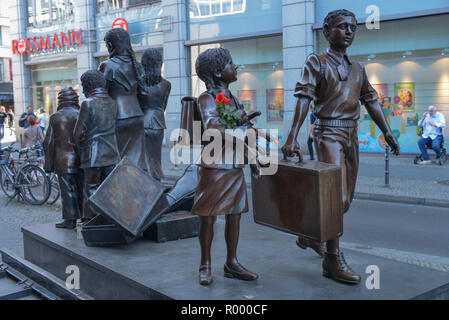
<point>122,85</point>
<point>61,154</point>
<point>153,103</point>
<point>95,131</point>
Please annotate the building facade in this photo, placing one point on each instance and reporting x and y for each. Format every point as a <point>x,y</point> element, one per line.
<point>6,86</point>
<point>407,58</point>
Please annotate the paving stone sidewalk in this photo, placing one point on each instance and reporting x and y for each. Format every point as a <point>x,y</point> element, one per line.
<point>409,183</point>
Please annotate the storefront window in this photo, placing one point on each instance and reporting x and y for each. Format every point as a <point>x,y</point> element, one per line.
<point>260,85</point>
<point>42,11</point>
<point>49,11</point>
<point>58,8</point>
<point>116,4</point>
<point>101,6</point>
<point>30,9</point>
<point>48,79</point>
<point>218,18</point>
<point>70,7</point>
<point>409,75</point>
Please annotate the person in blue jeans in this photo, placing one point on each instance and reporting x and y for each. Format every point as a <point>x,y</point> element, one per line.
<point>433,123</point>
<point>3,118</point>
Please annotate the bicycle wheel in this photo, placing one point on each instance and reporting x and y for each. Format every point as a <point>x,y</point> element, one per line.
<point>34,184</point>
<point>7,185</point>
<point>55,192</point>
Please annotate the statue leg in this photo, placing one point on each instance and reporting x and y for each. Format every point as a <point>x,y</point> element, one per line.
<point>232,268</point>
<point>206,235</point>
<point>339,146</point>
<point>70,200</point>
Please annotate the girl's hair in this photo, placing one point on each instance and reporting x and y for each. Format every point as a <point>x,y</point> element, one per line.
<point>152,64</point>
<point>121,45</point>
<point>211,62</point>
<point>32,120</point>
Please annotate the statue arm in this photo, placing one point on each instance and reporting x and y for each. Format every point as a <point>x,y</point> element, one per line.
<point>49,148</point>
<point>79,132</point>
<point>167,94</point>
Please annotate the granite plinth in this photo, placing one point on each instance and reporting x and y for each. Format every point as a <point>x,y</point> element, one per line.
<point>169,270</point>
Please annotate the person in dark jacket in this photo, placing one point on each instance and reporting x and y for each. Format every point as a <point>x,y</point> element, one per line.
<point>95,135</point>
<point>62,156</point>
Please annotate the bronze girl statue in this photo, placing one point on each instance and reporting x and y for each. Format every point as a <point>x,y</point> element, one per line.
<point>153,103</point>
<point>221,187</point>
<point>124,79</point>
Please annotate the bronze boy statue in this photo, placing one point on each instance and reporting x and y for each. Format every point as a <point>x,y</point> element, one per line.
<point>153,104</point>
<point>333,84</point>
<point>62,156</point>
<point>221,186</point>
<point>95,135</point>
<point>124,79</point>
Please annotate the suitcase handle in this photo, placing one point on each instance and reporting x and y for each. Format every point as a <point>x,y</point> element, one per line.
<point>295,152</point>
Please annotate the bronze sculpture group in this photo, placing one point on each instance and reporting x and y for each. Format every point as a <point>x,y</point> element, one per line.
<point>123,115</point>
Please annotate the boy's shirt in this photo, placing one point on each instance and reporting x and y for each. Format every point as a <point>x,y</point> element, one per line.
<point>335,84</point>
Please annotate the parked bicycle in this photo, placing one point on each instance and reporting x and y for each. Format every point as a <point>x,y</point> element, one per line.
<point>21,177</point>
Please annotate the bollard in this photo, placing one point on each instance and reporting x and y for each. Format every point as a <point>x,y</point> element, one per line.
<point>387,166</point>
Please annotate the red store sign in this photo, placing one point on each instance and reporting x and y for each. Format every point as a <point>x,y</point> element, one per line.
<point>120,23</point>
<point>42,43</point>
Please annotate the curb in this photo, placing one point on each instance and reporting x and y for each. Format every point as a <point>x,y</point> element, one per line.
<point>169,180</point>
<point>402,199</point>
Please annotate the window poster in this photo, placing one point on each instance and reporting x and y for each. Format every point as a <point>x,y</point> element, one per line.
<point>275,105</point>
<point>248,99</point>
<point>404,95</point>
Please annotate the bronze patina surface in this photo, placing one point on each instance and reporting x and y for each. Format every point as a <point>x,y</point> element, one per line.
<point>124,80</point>
<point>62,156</point>
<point>311,204</point>
<point>127,196</point>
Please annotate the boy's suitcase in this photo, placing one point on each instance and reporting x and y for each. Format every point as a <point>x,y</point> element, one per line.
<point>301,198</point>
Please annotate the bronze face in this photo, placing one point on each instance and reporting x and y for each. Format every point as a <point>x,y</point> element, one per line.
<point>342,32</point>
<point>229,73</point>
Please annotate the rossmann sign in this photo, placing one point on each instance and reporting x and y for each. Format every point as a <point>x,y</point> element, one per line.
<point>47,42</point>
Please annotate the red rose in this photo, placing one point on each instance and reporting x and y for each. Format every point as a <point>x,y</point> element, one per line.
<point>219,98</point>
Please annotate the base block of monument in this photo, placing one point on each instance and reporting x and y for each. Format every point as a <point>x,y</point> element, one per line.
<point>173,226</point>
<point>101,232</point>
<point>146,269</point>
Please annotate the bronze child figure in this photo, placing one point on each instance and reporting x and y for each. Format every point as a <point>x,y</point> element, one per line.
<point>62,156</point>
<point>153,103</point>
<point>333,84</point>
<point>95,135</point>
<point>124,79</point>
<point>221,187</point>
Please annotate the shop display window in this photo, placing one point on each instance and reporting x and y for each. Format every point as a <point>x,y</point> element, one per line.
<point>48,79</point>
